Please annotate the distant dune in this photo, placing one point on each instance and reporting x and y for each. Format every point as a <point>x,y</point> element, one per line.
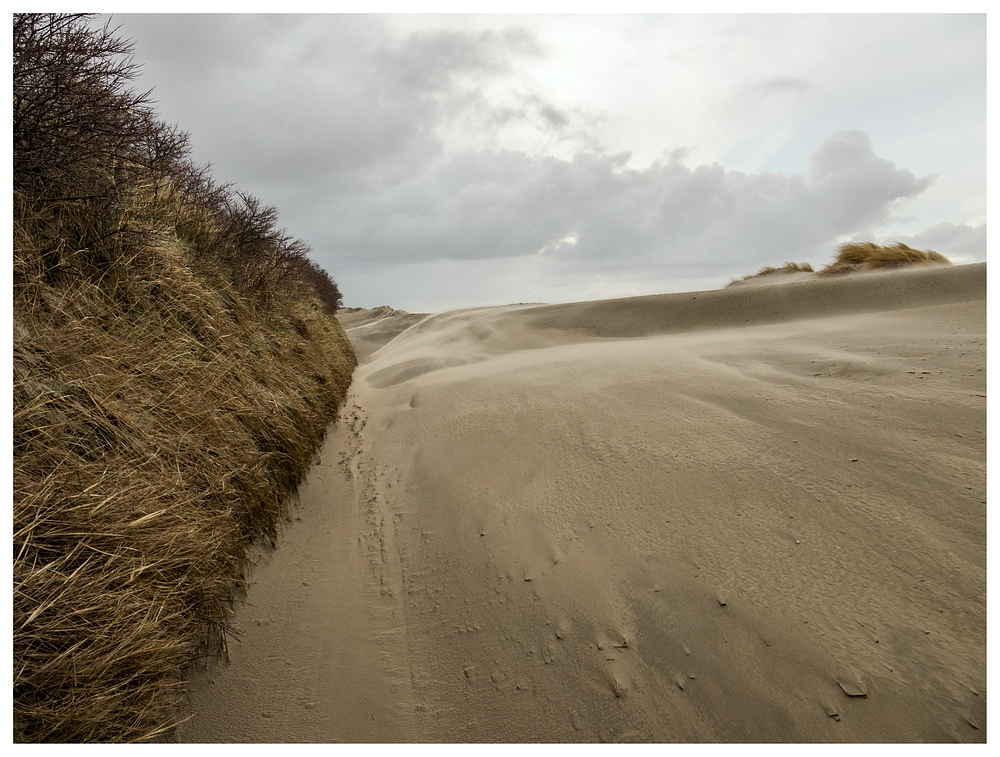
<point>749,515</point>
<point>370,329</point>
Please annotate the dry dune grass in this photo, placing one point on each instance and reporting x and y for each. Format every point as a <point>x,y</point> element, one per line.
<point>866,256</point>
<point>858,256</point>
<point>768,270</point>
<point>152,441</point>
<point>171,382</point>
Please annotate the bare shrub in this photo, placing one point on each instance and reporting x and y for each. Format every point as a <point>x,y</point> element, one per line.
<point>260,255</point>
<point>75,119</point>
<point>95,169</point>
<point>318,281</point>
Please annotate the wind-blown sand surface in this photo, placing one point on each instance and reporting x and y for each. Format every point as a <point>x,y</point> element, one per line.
<point>754,514</point>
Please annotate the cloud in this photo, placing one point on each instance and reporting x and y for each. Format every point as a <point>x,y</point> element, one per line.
<point>594,213</point>
<point>333,102</point>
<point>781,85</point>
<point>517,161</point>
<point>960,243</point>
<point>431,61</point>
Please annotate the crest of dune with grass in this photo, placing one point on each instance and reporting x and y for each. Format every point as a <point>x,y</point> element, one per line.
<point>770,270</point>
<point>856,257</point>
<point>176,362</point>
<point>868,256</point>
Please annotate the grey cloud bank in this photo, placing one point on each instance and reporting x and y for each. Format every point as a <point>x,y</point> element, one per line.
<point>503,204</point>
<point>441,166</point>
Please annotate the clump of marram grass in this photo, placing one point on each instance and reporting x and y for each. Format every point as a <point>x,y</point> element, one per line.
<point>868,256</point>
<point>172,379</point>
<point>769,270</point>
<point>152,442</point>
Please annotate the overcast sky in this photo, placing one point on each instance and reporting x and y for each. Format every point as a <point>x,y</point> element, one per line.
<point>434,162</point>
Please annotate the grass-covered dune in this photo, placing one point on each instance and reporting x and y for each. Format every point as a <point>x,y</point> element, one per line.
<point>854,257</point>
<point>176,362</point>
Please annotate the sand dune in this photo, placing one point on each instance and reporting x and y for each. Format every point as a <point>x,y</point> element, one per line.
<point>754,514</point>
<point>371,329</point>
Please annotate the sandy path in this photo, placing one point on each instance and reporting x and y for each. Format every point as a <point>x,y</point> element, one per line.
<point>569,524</point>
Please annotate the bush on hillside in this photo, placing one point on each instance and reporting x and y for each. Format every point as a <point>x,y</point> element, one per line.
<point>175,365</point>
<point>96,173</point>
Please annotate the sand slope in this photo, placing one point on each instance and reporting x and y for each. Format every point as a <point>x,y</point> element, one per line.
<point>371,329</point>
<point>755,514</point>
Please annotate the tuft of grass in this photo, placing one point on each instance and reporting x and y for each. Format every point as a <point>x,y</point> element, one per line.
<point>770,270</point>
<point>867,256</point>
<point>176,363</point>
<point>155,433</point>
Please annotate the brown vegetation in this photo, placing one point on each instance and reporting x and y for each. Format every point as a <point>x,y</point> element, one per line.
<point>859,256</point>
<point>769,270</point>
<point>175,364</point>
<point>867,256</point>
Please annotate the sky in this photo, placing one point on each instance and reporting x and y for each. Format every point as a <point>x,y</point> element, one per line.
<point>441,161</point>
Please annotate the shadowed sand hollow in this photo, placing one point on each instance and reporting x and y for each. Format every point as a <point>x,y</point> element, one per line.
<point>755,514</point>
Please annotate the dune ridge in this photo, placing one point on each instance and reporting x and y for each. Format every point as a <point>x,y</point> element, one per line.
<point>806,298</point>
<point>737,516</point>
